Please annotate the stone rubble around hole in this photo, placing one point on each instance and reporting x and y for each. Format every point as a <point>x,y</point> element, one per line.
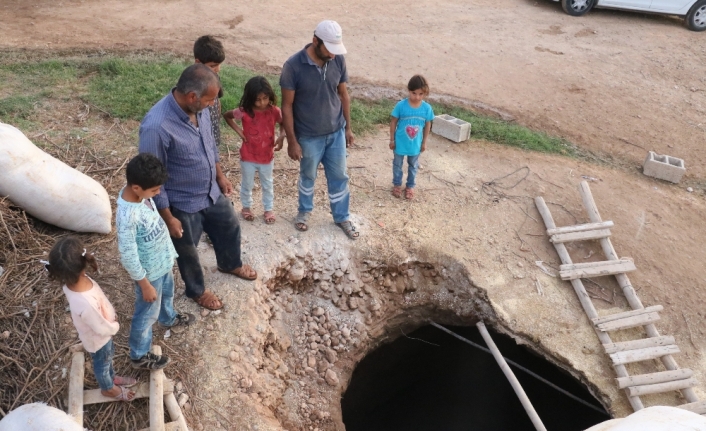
<point>334,304</point>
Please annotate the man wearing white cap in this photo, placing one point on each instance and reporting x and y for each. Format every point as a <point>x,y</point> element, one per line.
<point>317,121</point>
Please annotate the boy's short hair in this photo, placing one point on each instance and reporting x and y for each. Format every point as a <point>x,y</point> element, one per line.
<point>418,82</point>
<point>208,49</point>
<point>145,170</point>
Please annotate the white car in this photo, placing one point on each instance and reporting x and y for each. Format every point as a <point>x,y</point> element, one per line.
<point>693,11</point>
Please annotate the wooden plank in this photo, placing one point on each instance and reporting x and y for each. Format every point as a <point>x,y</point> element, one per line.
<point>652,378</point>
<point>142,390</point>
<point>637,391</point>
<point>580,228</point>
<point>587,265</point>
<point>175,412</point>
<point>582,295</point>
<point>623,315</point>
<point>698,407</point>
<point>157,396</point>
<point>170,426</point>
<point>626,286</point>
<point>516,386</point>
<point>78,368</point>
<point>639,344</point>
<point>580,236</point>
<point>611,267</point>
<point>629,322</point>
<point>629,356</point>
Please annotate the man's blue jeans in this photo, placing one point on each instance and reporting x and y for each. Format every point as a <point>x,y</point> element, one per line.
<point>412,163</point>
<point>329,150</point>
<point>221,224</point>
<point>146,313</point>
<point>103,365</point>
<point>247,179</point>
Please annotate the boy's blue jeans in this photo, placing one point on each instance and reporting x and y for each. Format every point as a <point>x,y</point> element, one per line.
<point>412,163</point>
<point>146,313</point>
<point>247,174</point>
<point>103,365</point>
<point>329,150</point>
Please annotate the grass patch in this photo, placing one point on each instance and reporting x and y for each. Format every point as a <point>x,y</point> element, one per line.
<point>506,133</point>
<point>24,86</point>
<point>128,87</point>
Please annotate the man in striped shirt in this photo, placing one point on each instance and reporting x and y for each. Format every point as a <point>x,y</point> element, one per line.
<point>178,131</point>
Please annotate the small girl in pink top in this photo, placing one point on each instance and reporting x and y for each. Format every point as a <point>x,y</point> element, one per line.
<point>93,315</point>
<point>258,113</point>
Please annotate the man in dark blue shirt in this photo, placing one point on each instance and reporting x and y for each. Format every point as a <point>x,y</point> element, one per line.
<point>178,131</point>
<point>317,121</point>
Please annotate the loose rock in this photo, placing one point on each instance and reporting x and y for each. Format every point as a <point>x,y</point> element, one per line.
<point>331,377</point>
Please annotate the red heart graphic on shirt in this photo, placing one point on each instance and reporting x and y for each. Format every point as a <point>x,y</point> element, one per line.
<point>412,131</point>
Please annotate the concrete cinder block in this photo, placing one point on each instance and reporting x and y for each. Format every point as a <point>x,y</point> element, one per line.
<point>451,128</point>
<point>664,167</point>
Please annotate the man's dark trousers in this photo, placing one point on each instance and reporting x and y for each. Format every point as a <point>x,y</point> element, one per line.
<point>221,225</point>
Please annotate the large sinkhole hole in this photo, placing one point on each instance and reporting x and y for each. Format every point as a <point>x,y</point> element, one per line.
<point>429,380</point>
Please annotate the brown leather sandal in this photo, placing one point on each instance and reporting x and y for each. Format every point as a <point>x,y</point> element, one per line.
<point>246,272</point>
<point>209,300</point>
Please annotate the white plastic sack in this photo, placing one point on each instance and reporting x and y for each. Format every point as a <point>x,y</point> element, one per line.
<point>657,418</point>
<point>49,189</point>
<point>38,417</point>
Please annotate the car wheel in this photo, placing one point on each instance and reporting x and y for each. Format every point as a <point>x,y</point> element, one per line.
<point>578,7</point>
<point>696,18</point>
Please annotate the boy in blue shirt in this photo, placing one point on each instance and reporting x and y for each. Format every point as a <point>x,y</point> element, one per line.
<point>147,253</point>
<point>409,128</point>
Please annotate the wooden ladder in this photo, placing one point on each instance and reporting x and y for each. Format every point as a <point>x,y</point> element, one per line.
<point>655,346</point>
<point>160,391</point>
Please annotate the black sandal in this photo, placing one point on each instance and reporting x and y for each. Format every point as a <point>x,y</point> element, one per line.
<point>349,229</point>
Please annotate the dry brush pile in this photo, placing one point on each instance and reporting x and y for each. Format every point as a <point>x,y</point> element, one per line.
<point>35,323</point>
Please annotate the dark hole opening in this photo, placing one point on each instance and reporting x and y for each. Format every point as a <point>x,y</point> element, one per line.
<point>413,385</point>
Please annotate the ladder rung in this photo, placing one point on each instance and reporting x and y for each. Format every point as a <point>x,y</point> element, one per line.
<point>636,391</point>
<point>698,407</point>
<point>580,236</point>
<point>142,390</point>
<point>653,378</point>
<point>596,269</point>
<point>646,354</point>
<point>625,314</point>
<point>580,227</point>
<point>169,426</point>
<point>639,344</point>
<point>629,322</point>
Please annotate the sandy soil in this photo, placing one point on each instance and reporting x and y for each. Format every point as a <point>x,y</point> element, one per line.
<point>492,235</point>
<point>615,82</point>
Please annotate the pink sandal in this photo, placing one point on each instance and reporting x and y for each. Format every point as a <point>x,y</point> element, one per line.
<point>397,191</point>
<point>124,381</point>
<point>247,214</point>
<point>270,217</point>
<point>125,394</point>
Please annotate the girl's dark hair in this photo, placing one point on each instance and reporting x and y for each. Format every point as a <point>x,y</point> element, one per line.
<point>255,86</point>
<point>67,259</point>
<point>418,82</point>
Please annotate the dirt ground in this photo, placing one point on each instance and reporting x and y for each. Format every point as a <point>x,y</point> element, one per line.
<point>615,83</point>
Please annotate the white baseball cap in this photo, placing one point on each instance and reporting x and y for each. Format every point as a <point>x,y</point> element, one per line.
<point>332,35</point>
